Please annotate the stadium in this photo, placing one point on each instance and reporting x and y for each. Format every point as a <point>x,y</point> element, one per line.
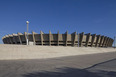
<point>74,39</point>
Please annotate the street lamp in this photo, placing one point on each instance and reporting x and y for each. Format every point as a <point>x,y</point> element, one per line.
<point>27,22</point>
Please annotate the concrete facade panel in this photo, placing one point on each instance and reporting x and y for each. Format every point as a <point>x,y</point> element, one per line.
<point>66,39</point>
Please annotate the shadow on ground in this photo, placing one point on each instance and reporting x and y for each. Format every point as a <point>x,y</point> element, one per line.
<point>75,72</point>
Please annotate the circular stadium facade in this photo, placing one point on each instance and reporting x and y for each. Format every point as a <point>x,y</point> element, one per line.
<point>74,39</point>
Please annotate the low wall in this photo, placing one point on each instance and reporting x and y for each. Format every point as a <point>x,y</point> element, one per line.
<point>42,52</point>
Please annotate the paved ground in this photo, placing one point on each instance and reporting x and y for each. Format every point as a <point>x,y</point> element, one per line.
<point>94,65</point>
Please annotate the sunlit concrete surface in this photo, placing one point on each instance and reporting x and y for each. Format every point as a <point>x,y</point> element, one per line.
<point>43,52</point>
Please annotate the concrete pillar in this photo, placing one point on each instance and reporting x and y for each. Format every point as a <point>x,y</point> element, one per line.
<point>19,37</point>
<point>103,45</point>
<point>14,35</point>
<point>66,38</point>
<point>74,39</point>
<point>93,38</point>
<point>105,42</point>
<point>98,37</point>
<point>58,39</point>
<point>106,45</point>
<point>3,39</point>
<point>11,42</point>
<point>110,42</point>
<point>41,33</point>
<point>81,38</point>
<point>50,38</point>
<point>7,39</point>
<point>87,39</point>
<point>33,35</point>
<point>101,41</point>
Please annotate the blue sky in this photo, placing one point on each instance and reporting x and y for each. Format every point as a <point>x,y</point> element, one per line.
<point>94,16</point>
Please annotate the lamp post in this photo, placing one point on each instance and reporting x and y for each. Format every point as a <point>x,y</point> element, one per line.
<point>27,22</point>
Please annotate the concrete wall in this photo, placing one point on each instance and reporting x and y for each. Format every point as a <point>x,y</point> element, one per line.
<point>74,39</point>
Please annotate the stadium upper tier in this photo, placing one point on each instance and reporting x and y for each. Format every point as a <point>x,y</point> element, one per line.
<point>91,40</point>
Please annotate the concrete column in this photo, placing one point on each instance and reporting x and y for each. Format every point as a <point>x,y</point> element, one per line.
<point>14,38</point>
<point>19,37</point>
<point>101,41</point>
<point>41,33</point>
<point>78,39</point>
<point>87,39</point>
<point>33,35</point>
<point>98,37</point>
<point>106,45</point>
<point>93,38</point>
<point>74,39</point>
<point>58,39</point>
<point>3,39</point>
<point>50,38</point>
<point>6,42</point>
<point>66,38</point>
<point>103,45</point>
<point>81,38</point>
<point>110,42</point>
<point>105,42</point>
<point>7,39</point>
<point>10,39</point>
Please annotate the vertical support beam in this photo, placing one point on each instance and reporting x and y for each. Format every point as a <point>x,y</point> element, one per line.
<point>93,38</point>
<point>103,45</point>
<point>78,39</point>
<point>112,42</point>
<point>41,33</point>
<point>81,38</point>
<point>7,39</point>
<point>106,45</point>
<point>74,39</point>
<point>14,38</point>
<point>98,37</point>
<point>105,41</point>
<point>19,37</point>
<point>58,39</point>
<point>66,38</point>
<point>3,40</point>
<point>50,38</point>
<point>33,35</point>
<point>10,39</point>
<point>101,41</point>
<point>87,39</point>
<point>109,42</point>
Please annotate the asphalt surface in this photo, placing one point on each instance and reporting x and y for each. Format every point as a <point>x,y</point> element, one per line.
<point>94,65</point>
